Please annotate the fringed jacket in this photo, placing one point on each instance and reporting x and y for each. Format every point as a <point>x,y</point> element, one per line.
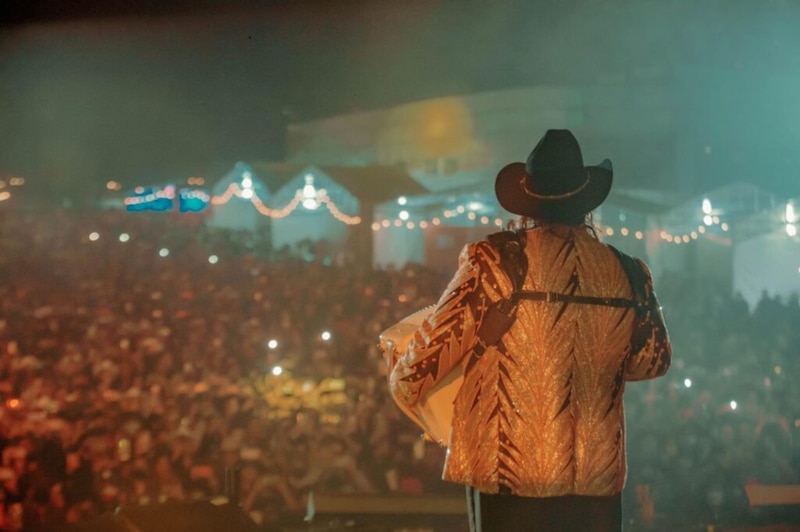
<point>540,413</point>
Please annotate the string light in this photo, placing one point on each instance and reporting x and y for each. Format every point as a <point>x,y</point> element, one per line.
<point>301,197</point>
<point>276,213</point>
<point>607,230</point>
<point>167,193</point>
<point>338,214</point>
<point>708,221</point>
<point>312,198</point>
<point>404,216</point>
<point>195,194</point>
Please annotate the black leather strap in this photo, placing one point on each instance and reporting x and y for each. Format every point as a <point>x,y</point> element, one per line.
<point>501,314</point>
<point>512,256</point>
<point>642,329</point>
<point>554,297</point>
<point>636,277</point>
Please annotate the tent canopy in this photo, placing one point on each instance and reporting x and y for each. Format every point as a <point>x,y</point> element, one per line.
<point>369,184</point>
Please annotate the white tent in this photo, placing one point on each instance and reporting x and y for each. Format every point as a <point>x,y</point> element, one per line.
<point>313,207</point>
<point>234,198</point>
<point>767,258</point>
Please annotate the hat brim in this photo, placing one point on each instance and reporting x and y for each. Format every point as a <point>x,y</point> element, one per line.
<point>513,197</point>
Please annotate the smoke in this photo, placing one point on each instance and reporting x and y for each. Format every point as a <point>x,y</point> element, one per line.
<point>138,97</point>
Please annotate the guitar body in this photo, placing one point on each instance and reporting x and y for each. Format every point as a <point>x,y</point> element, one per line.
<point>434,414</point>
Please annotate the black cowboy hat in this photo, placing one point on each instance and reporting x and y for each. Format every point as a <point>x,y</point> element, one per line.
<point>553,182</point>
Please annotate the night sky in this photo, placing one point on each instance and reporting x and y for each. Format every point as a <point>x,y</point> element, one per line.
<point>143,91</point>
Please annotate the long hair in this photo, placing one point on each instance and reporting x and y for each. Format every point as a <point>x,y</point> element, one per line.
<point>526,222</point>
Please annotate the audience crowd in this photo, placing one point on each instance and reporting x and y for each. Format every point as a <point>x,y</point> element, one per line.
<point>148,358</point>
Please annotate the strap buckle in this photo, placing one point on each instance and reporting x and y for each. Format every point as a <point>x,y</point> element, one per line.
<point>480,348</point>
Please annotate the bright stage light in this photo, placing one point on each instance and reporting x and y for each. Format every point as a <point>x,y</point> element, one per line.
<point>213,259</point>
<point>708,220</point>
<point>402,200</point>
<point>124,237</point>
<point>277,370</point>
<point>403,215</point>
<point>734,405</point>
<point>687,383</point>
<point>326,335</point>
<point>94,236</point>
<point>706,206</point>
<point>272,344</point>
<point>163,252</point>
<point>791,229</point>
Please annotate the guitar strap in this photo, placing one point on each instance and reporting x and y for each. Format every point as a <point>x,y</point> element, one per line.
<point>501,314</point>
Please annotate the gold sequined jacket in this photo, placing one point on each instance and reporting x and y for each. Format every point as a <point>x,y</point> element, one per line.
<point>540,414</point>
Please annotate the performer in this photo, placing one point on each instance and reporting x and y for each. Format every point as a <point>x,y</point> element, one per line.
<point>538,430</point>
